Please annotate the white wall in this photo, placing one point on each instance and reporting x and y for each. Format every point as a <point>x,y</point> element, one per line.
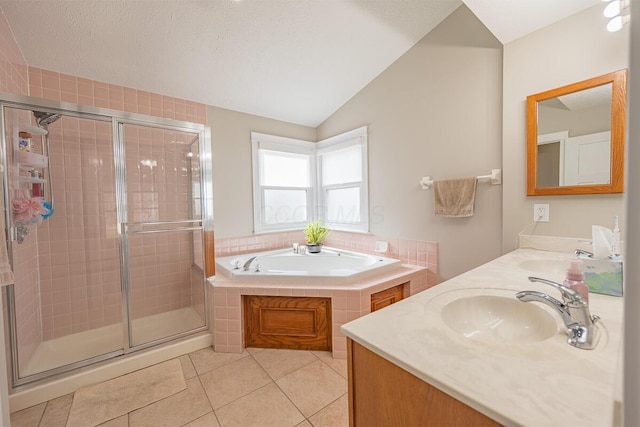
<point>435,111</point>
<point>571,50</point>
<point>231,151</point>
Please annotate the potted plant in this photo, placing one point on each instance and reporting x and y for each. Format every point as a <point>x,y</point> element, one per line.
<point>315,234</point>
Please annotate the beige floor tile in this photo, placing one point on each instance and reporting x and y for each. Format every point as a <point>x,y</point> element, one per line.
<point>313,387</point>
<point>265,407</point>
<point>279,363</point>
<point>227,383</point>
<point>254,350</point>
<point>102,402</point>
<point>122,421</point>
<point>57,412</point>
<point>206,359</point>
<point>174,410</point>
<point>334,415</point>
<point>305,423</point>
<point>29,417</point>
<point>338,365</point>
<point>208,420</point>
<point>320,354</point>
<point>187,367</point>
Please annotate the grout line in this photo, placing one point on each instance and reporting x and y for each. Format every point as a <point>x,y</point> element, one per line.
<point>207,396</point>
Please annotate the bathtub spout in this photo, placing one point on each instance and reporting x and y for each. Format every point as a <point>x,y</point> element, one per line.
<point>247,264</point>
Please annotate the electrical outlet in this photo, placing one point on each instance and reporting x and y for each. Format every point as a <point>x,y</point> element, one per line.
<point>541,212</point>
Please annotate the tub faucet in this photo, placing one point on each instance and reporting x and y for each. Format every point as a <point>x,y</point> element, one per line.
<point>247,263</point>
<point>574,311</point>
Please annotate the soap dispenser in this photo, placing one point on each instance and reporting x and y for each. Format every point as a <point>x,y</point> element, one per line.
<point>575,279</point>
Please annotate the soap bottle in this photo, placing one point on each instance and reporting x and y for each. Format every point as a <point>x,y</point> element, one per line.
<point>575,279</point>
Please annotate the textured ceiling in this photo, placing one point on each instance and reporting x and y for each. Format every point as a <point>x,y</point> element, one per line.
<point>292,60</point>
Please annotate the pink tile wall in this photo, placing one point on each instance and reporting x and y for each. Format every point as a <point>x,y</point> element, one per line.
<point>77,246</point>
<point>245,244</point>
<point>84,284</point>
<point>13,67</point>
<point>25,261</point>
<point>63,87</point>
<point>14,79</point>
<point>161,264</point>
<point>27,301</point>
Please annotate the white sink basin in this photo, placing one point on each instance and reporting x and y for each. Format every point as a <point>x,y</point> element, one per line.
<point>498,320</point>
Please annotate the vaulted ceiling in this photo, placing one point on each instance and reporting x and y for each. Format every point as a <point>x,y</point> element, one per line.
<point>292,60</point>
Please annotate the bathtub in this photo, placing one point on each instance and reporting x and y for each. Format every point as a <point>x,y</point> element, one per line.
<point>330,266</point>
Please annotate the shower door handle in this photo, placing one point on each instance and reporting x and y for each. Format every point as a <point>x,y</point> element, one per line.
<point>124,226</point>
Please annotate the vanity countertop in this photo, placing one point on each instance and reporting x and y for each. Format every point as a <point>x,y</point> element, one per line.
<point>545,383</point>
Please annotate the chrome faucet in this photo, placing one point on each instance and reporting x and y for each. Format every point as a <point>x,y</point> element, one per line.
<point>581,253</point>
<point>247,263</point>
<point>574,309</point>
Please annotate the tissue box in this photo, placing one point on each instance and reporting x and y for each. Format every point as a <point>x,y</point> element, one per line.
<point>603,276</point>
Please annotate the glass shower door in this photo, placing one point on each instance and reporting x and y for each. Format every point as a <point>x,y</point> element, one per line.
<point>66,299</point>
<point>161,228</point>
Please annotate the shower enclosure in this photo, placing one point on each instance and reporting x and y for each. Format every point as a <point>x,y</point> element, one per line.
<point>106,216</point>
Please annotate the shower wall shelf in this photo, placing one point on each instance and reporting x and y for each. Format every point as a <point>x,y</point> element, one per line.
<point>29,159</point>
<point>31,180</point>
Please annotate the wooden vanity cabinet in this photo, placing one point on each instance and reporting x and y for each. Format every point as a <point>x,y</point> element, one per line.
<point>383,394</point>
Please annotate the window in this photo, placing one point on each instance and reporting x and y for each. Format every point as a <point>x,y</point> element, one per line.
<point>283,171</point>
<point>342,181</point>
<point>297,181</point>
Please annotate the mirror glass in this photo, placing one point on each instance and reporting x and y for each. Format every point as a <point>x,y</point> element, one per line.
<point>575,137</point>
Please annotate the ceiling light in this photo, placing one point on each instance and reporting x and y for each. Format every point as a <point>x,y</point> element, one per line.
<point>617,10</point>
<point>615,7</point>
<point>617,23</point>
<point>612,9</point>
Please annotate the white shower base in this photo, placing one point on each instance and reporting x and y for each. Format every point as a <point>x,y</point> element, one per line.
<point>112,368</point>
<point>95,342</point>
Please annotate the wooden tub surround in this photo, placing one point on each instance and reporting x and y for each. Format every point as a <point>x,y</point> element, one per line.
<point>241,319</point>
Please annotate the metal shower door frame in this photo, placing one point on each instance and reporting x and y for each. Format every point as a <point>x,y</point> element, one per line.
<point>118,119</point>
<point>124,224</point>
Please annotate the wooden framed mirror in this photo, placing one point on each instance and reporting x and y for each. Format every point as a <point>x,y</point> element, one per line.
<point>575,137</point>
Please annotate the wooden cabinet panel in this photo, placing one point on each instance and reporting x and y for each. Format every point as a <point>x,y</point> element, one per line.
<point>383,394</point>
<point>302,323</point>
<point>387,297</point>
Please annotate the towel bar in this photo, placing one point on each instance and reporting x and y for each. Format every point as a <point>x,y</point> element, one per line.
<point>495,177</point>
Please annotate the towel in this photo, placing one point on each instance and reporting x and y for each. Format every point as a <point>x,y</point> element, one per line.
<point>454,198</point>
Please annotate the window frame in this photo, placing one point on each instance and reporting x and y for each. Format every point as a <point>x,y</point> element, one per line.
<point>316,193</point>
<point>355,137</point>
<point>286,145</point>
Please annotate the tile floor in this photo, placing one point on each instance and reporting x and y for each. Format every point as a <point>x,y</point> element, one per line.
<point>260,387</point>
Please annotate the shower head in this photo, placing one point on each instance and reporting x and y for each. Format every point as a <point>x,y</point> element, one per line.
<point>45,119</point>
